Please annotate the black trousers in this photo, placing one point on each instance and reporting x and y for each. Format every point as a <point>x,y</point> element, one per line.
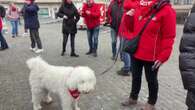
<point>151,77</point>
<point>72,42</point>
<point>35,39</point>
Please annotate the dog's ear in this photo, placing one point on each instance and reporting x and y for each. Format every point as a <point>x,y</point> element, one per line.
<point>30,62</point>
<point>33,62</point>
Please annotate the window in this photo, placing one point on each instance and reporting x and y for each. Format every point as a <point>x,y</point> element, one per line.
<point>44,12</point>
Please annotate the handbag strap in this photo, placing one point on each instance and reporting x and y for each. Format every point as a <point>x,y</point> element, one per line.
<point>157,8</point>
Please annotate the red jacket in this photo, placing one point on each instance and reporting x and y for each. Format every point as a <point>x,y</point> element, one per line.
<point>92,20</point>
<point>157,40</point>
<point>127,22</point>
<point>1,23</point>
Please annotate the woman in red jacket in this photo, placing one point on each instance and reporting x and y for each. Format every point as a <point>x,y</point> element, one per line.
<point>154,49</point>
<point>91,14</point>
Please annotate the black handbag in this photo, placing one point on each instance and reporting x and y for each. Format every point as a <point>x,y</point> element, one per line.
<point>130,46</point>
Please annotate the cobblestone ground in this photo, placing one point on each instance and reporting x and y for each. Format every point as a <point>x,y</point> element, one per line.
<point>111,89</point>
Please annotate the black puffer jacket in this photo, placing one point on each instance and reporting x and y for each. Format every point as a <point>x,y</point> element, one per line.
<point>187,53</point>
<point>187,59</point>
<point>69,25</point>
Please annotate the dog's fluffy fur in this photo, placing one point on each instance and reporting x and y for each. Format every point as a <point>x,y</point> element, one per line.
<point>45,79</point>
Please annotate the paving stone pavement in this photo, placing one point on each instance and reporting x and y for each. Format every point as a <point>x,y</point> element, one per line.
<point>110,90</point>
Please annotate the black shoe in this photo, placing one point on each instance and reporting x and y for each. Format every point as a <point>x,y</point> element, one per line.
<point>123,73</point>
<point>62,54</point>
<point>13,36</point>
<point>88,53</point>
<point>74,55</point>
<point>1,49</point>
<point>95,54</point>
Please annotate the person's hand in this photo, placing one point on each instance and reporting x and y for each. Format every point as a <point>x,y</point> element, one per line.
<point>88,12</point>
<point>80,12</point>
<point>131,12</point>
<point>65,17</point>
<point>156,65</point>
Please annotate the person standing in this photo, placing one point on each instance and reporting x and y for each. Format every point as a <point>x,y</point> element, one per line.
<point>3,42</point>
<point>187,59</point>
<point>70,16</point>
<point>24,17</point>
<point>13,17</point>
<point>32,23</point>
<point>91,14</point>
<point>125,30</point>
<point>115,12</point>
<point>154,48</point>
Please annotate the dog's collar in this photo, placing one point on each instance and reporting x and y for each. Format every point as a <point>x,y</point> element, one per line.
<point>74,93</point>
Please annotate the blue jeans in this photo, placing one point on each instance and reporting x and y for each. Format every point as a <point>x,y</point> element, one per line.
<point>3,41</point>
<point>14,24</point>
<point>125,57</point>
<point>114,41</point>
<point>93,38</point>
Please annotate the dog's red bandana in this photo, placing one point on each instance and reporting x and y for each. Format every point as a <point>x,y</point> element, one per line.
<point>74,93</point>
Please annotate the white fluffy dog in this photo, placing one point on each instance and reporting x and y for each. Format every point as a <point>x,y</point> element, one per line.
<point>66,82</point>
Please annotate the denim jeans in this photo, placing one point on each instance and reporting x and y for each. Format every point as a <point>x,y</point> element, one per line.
<point>125,57</point>
<point>114,41</point>
<point>93,38</point>
<point>14,24</point>
<point>3,41</point>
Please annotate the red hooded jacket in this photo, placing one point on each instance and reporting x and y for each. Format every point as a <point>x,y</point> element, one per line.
<point>157,40</point>
<point>92,20</point>
<point>127,22</point>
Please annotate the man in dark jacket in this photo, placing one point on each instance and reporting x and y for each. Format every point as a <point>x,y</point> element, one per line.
<point>187,59</point>
<point>70,16</point>
<point>115,12</point>
<point>32,23</point>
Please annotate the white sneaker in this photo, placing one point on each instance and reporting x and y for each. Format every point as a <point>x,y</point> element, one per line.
<point>25,34</point>
<point>33,49</point>
<point>39,51</point>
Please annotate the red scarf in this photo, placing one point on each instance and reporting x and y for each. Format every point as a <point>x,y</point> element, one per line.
<point>74,93</point>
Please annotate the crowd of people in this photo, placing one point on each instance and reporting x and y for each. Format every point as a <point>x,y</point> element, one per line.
<point>152,21</point>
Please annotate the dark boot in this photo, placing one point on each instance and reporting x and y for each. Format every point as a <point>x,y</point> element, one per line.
<point>89,52</point>
<point>123,72</point>
<point>73,54</point>
<point>94,53</point>
<point>62,54</point>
